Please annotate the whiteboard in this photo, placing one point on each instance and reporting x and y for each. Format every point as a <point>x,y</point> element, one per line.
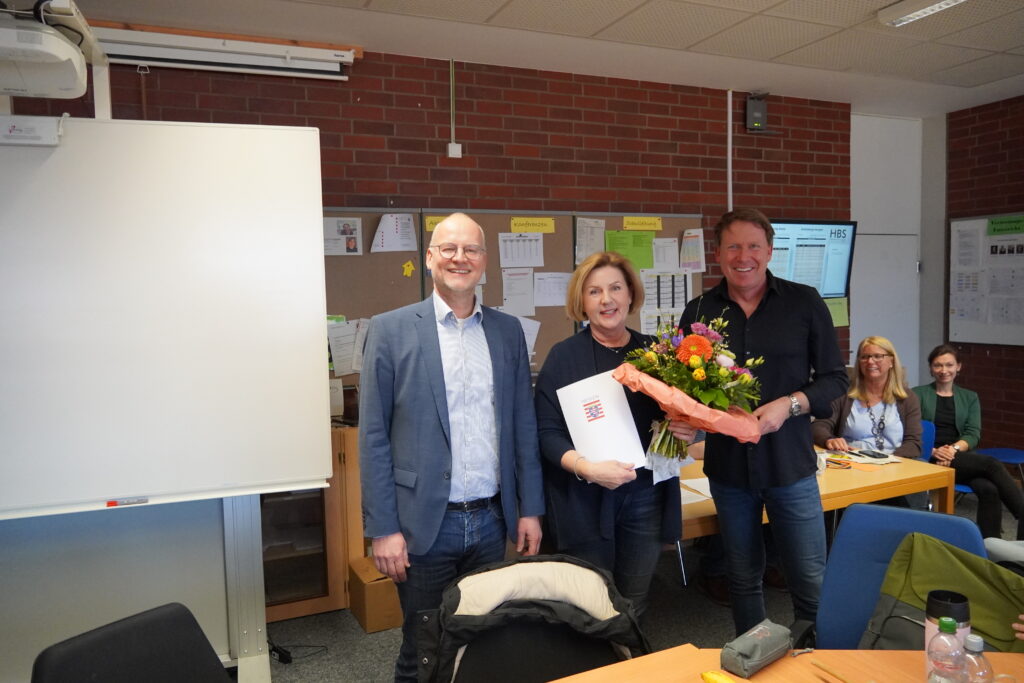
<point>163,308</point>
<point>986,280</point>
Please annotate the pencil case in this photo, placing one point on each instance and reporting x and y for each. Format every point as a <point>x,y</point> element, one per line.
<point>756,649</point>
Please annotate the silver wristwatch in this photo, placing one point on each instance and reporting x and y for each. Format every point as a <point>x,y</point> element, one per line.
<point>794,406</point>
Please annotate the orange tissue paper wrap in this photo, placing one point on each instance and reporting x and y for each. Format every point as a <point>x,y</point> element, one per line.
<point>735,422</point>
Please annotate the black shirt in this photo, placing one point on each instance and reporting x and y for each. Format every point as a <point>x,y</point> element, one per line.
<point>945,421</point>
<point>793,330</point>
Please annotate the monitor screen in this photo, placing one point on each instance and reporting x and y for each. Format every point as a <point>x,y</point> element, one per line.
<point>815,253</point>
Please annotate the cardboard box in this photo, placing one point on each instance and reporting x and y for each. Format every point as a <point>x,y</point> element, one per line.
<point>373,598</point>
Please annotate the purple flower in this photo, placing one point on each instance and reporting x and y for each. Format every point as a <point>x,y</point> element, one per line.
<point>713,336</point>
<point>676,339</point>
<point>699,328</point>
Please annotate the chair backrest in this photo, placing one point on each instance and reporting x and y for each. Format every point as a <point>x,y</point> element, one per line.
<point>161,645</point>
<point>927,439</point>
<point>867,537</point>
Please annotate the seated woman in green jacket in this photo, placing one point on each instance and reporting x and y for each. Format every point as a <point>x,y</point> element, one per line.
<point>956,413</point>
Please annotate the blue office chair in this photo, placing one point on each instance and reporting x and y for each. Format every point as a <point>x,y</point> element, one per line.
<point>1007,456</point>
<point>863,546</point>
<point>927,444</point>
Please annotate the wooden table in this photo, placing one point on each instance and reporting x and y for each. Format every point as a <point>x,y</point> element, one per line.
<point>685,663</point>
<point>840,489</point>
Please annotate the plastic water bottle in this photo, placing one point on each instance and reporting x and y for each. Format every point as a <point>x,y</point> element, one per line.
<point>977,668</point>
<point>945,654</point>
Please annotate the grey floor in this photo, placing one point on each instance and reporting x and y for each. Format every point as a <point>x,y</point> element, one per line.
<point>333,647</point>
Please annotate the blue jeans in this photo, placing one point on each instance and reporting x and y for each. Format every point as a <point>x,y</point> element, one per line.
<point>632,554</point>
<point>797,525</point>
<point>466,540</point>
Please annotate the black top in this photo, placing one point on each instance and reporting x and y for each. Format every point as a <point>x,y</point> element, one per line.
<point>945,421</point>
<point>793,330</point>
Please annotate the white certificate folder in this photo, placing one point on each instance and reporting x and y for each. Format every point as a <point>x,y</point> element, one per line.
<point>599,421</point>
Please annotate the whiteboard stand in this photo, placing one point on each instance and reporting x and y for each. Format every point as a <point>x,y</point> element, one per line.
<point>243,569</point>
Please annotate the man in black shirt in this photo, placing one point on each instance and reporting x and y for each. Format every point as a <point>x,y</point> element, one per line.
<point>788,324</point>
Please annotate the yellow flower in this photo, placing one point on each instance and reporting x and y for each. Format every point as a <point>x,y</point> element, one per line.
<point>651,357</point>
<point>746,379</point>
<point>695,361</point>
<point>723,372</point>
<point>699,375</point>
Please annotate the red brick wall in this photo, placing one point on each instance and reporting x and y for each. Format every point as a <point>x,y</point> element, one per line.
<point>985,171</point>
<point>532,140</point>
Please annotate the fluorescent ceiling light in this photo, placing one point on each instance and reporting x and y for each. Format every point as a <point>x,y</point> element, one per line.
<point>906,11</point>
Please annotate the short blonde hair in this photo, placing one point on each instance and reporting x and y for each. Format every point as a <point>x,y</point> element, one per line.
<point>574,295</point>
<point>895,384</point>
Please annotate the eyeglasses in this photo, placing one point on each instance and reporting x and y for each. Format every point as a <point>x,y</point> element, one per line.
<point>473,252</point>
<point>877,357</point>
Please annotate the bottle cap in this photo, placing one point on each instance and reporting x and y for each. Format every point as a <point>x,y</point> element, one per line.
<point>974,643</point>
<point>947,625</point>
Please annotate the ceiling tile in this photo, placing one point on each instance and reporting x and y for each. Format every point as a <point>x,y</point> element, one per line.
<point>472,11</point>
<point>851,49</point>
<point>568,17</point>
<point>742,5</point>
<point>986,70</point>
<point>846,13</point>
<point>763,38</point>
<point>666,23</point>
<point>1004,33</point>
<point>966,14</point>
<point>919,61</point>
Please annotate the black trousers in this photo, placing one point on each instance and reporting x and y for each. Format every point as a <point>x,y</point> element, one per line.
<point>994,487</point>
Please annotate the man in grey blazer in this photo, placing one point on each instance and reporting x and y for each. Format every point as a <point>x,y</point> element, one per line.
<point>447,435</point>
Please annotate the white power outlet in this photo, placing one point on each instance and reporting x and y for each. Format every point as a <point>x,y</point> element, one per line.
<point>454,150</point>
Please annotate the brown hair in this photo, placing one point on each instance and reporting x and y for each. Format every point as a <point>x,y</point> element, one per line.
<point>895,384</point>
<point>942,350</point>
<point>574,294</point>
<point>749,216</point>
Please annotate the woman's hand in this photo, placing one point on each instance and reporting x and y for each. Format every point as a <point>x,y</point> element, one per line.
<point>610,474</point>
<point>1019,627</point>
<point>837,444</point>
<point>683,431</point>
<point>944,455</point>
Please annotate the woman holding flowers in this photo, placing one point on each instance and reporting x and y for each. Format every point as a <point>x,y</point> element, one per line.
<point>879,412</point>
<point>607,513</point>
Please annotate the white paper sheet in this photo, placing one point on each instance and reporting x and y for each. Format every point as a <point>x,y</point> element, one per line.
<point>666,253</point>
<point>665,288</point>
<point>531,328</point>
<point>549,289</point>
<point>342,338</point>
<point>517,291</point>
<point>687,496</point>
<point>395,232</point>
<point>589,237</point>
<point>521,249</point>
<point>691,252</point>
<point>600,424</point>
<point>343,236</point>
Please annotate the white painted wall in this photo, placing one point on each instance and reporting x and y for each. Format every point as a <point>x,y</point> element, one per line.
<point>885,200</point>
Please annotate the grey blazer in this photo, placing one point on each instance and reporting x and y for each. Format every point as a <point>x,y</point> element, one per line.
<point>404,435</point>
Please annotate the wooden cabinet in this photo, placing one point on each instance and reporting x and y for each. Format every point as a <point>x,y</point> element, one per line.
<point>305,546</point>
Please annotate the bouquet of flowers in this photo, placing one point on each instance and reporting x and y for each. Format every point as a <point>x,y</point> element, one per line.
<point>694,377</point>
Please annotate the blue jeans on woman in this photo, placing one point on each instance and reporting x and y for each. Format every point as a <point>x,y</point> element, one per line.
<point>797,525</point>
<point>632,554</point>
<point>466,541</point>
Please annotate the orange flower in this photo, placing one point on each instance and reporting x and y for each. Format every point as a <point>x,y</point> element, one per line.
<point>693,345</point>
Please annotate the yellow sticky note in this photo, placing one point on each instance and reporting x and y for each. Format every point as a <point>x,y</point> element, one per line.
<point>532,224</point>
<point>407,268</point>
<point>432,221</point>
<point>840,310</point>
<point>641,223</point>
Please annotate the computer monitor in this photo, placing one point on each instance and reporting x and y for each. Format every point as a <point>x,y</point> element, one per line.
<point>815,253</point>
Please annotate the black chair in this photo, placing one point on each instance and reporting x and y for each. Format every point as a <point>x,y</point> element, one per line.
<point>161,645</point>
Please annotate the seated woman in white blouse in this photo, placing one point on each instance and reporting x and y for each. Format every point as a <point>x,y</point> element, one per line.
<point>879,412</point>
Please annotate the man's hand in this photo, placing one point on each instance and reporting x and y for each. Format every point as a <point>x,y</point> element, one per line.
<point>529,533</point>
<point>771,415</point>
<point>391,556</point>
<point>683,431</point>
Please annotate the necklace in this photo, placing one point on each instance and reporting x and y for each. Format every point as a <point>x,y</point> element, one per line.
<point>613,349</point>
<point>878,426</point>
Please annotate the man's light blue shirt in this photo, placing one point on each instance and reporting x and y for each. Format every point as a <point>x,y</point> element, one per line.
<point>469,388</point>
